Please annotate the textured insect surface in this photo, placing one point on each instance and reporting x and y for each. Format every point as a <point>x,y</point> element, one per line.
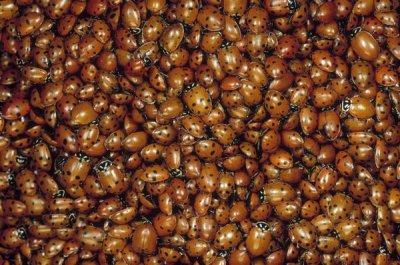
<point>216,132</point>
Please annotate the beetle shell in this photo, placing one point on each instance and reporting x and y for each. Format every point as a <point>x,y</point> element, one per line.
<point>258,241</point>
<point>187,10</point>
<point>348,229</point>
<point>15,108</point>
<point>91,237</point>
<point>135,141</point>
<point>199,132</point>
<point>171,108</point>
<point>208,150</point>
<point>25,181</point>
<point>35,204</point>
<point>281,159</point>
<point>361,108</point>
<point>198,101</point>
<point>308,120</point>
<point>324,60</point>
<point>330,123</point>
<point>276,104</point>
<point>372,240</point>
<point>340,207</point>
<point>196,247</point>
<point>227,237</point>
<point>13,207</point>
<point>172,37</point>
<point>224,133</point>
<point>230,59</point>
<point>270,141</point>
<point>275,66</point>
<point>287,210</point>
<point>304,234</point>
<point>89,47</point>
<point>277,8</point>
<point>310,209</point>
<point>112,179</point>
<point>328,244</point>
<point>10,238</point>
<point>194,125</point>
<point>8,9</point>
<point>386,76</point>
<point>155,173</point>
<point>164,225</point>
<point>326,179</point>
<point>144,239</point>
<point>83,113</point>
<point>365,45</point>
<point>211,18</point>
<point>278,192</point>
<point>288,46</point>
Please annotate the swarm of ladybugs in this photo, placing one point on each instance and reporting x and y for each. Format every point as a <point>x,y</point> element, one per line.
<point>199,132</point>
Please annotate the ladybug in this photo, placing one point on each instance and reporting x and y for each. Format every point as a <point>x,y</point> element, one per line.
<point>111,178</point>
<point>304,234</point>
<point>227,237</point>
<point>144,239</point>
<point>258,240</point>
<point>365,46</point>
<point>15,108</point>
